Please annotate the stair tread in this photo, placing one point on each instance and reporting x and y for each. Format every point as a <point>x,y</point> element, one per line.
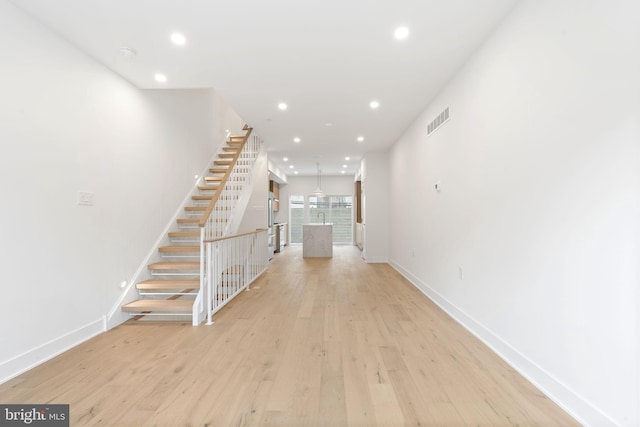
<point>202,197</point>
<point>226,155</point>
<point>222,162</point>
<point>175,265</point>
<point>160,305</point>
<point>195,208</point>
<point>188,220</point>
<point>176,248</point>
<point>213,178</point>
<point>230,149</point>
<point>169,284</point>
<point>207,187</point>
<point>218,170</point>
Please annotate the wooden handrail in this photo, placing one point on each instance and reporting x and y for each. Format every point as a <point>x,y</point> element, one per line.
<point>225,178</point>
<point>258,230</point>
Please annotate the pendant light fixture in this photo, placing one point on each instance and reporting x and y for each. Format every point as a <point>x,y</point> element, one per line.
<point>319,192</point>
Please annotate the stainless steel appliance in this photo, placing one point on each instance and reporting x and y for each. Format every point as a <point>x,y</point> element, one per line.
<point>279,232</point>
<point>271,238</point>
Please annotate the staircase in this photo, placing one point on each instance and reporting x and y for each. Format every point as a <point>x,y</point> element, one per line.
<point>174,282</point>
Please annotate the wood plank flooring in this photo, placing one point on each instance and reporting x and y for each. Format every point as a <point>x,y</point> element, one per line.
<point>316,342</point>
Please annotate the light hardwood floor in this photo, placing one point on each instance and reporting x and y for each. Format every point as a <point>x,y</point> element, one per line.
<point>316,342</point>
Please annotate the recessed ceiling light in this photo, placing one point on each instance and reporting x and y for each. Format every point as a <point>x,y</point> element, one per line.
<point>344,166</point>
<point>160,78</point>
<point>282,106</point>
<point>328,124</point>
<point>374,104</point>
<point>286,159</point>
<point>178,39</point>
<point>343,171</point>
<point>296,139</point>
<point>401,33</point>
<point>296,172</point>
<point>290,166</point>
<point>347,158</point>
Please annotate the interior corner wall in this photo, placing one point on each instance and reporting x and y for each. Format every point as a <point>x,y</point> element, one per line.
<point>68,124</point>
<point>532,241</point>
<point>375,206</point>
<point>255,215</point>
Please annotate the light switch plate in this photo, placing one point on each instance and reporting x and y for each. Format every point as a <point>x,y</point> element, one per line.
<point>85,198</point>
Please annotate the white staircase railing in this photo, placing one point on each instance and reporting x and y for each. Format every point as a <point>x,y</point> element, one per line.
<point>232,264</point>
<point>219,220</point>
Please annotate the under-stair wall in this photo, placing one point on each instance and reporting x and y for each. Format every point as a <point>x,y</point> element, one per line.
<point>255,212</point>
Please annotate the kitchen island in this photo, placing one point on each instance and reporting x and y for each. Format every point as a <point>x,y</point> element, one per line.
<point>317,240</point>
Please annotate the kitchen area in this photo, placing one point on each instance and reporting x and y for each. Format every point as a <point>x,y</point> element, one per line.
<point>278,231</point>
<point>311,224</point>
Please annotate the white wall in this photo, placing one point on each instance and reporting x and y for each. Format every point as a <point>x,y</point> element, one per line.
<point>68,124</point>
<point>256,216</point>
<point>276,174</point>
<point>375,206</point>
<point>540,201</point>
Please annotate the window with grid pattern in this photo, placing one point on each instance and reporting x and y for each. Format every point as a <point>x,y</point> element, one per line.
<point>336,210</point>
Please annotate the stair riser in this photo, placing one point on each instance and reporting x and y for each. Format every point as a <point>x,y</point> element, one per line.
<point>159,294</point>
<point>181,274</point>
<point>190,240</point>
<point>180,249</point>
<point>180,257</point>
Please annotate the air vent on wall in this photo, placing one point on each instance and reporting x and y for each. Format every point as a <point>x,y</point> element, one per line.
<point>438,121</point>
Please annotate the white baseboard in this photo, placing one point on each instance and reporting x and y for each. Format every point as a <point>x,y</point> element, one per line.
<point>28,360</point>
<point>576,406</point>
<point>376,260</point>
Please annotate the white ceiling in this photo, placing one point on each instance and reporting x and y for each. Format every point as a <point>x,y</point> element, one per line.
<point>326,59</point>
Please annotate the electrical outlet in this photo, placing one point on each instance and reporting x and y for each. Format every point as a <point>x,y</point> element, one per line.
<point>85,198</point>
<point>461,273</point>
